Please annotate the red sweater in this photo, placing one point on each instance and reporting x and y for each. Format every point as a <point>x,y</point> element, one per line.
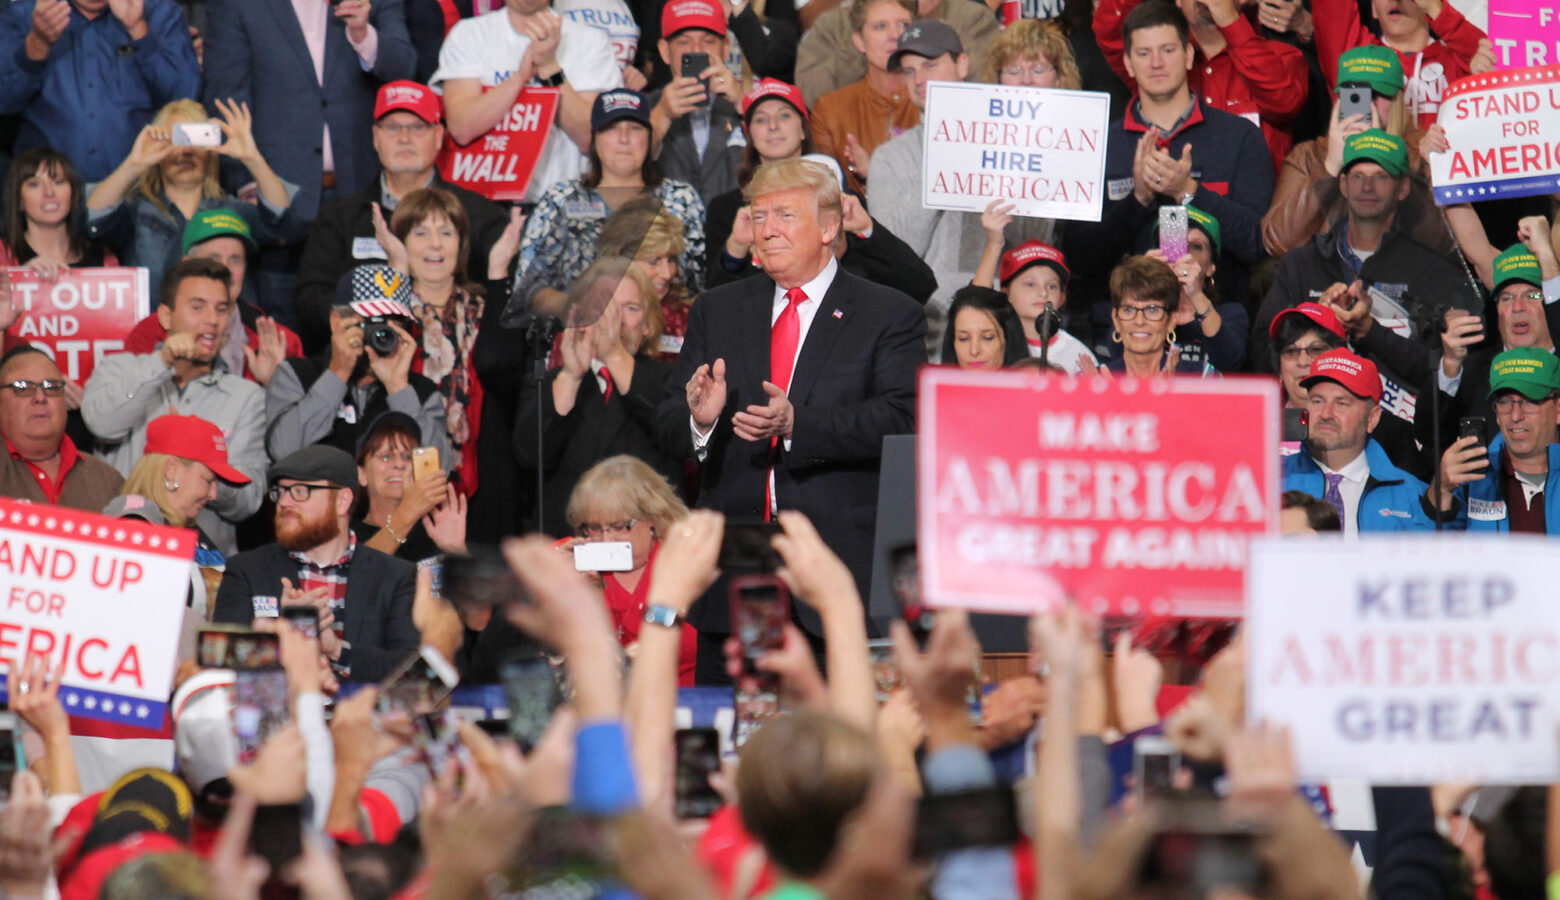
<point>1429,72</point>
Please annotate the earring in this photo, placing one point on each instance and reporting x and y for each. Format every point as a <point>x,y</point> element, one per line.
<point>170,485</point>
<point>1115,335</point>
<point>1172,334</point>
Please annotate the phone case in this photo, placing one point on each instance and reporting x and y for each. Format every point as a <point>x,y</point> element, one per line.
<point>425,462</point>
<point>1172,232</point>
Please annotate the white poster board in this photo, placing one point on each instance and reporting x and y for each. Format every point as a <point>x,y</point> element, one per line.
<point>1409,660</point>
<point>1039,148</point>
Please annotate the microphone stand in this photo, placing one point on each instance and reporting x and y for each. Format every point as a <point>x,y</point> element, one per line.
<point>1429,320</point>
<point>1047,324</point>
<point>540,332</point>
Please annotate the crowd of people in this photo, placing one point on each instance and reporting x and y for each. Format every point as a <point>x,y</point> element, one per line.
<point>698,318</point>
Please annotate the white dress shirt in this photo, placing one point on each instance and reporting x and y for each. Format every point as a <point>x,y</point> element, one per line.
<point>1352,489</point>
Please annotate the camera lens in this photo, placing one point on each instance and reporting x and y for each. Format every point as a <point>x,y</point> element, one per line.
<point>380,337</point>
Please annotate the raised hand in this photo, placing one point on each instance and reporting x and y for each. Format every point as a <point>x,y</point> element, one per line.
<point>446,523</point>
<point>997,217</point>
<point>740,244</point>
<point>238,124</point>
<point>355,14</point>
<point>507,245</point>
<point>1339,131</point>
<point>35,696</point>
<point>707,394</point>
<point>772,420</point>
<point>545,29</point>
<point>1464,462</point>
<point>49,20</point>
<point>262,363</point>
<point>857,156</point>
<point>1462,331</point>
<point>131,14</point>
<point>854,216</point>
<point>394,371</point>
<point>395,250</point>
<point>9,312</point>
<point>811,570</point>
<point>685,567</point>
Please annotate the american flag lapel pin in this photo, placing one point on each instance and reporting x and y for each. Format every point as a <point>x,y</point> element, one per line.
<point>839,314</point>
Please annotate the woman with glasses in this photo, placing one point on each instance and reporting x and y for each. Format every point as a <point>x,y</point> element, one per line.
<point>397,514</point>
<point>622,499</point>
<point>600,400</point>
<point>1032,53</point>
<point>1208,329</point>
<point>1145,295</point>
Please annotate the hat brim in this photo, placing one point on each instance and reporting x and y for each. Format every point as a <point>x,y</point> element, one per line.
<point>1052,264</point>
<point>1278,320</point>
<point>1314,380</point>
<point>747,117</point>
<point>1511,279</point>
<point>1543,393</point>
<point>612,118</point>
<point>227,473</point>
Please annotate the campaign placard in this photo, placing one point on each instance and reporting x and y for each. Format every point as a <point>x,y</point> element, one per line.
<point>82,317</point>
<point>1409,660</point>
<point>1040,148</point>
<point>1525,33</point>
<point>107,594</point>
<point>1131,497</point>
<point>1503,128</point>
<point>498,165</point>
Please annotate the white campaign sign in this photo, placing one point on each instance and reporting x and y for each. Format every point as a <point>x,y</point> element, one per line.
<point>1408,660</point>
<point>107,594</point>
<point>1039,148</point>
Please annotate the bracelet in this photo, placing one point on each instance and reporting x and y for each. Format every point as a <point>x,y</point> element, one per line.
<point>391,529</point>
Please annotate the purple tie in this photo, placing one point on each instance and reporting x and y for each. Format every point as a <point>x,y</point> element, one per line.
<point>1332,494</point>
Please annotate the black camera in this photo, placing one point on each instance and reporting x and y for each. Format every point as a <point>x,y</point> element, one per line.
<point>378,336</point>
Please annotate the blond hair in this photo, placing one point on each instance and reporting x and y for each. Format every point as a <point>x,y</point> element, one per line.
<point>148,478</point>
<point>798,174</point>
<point>635,489</point>
<point>586,303</point>
<point>150,184</point>
<point>1032,39</point>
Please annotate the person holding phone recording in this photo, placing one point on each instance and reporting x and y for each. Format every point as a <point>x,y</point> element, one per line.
<point>695,118</point>
<point>397,513</point>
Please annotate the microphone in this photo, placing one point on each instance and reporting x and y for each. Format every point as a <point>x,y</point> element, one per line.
<point>1048,323</point>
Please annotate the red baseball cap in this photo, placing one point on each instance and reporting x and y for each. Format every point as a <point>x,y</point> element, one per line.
<point>774,87</point>
<point>417,99</point>
<point>680,15</point>
<point>1323,317</point>
<point>1031,253</point>
<point>1356,374</point>
<point>191,437</point>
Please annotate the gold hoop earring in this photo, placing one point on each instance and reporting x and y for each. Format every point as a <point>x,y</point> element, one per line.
<point>1115,335</point>
<point>1172,335</point>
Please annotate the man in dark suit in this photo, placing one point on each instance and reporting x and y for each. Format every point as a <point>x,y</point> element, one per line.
<point>787,385</point>
<point>364,597</point>
<point>408,133</point>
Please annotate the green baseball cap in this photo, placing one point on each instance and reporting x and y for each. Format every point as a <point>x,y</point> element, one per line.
<point>1378,67</point>
<point>1375,145</point>
<point>1517,263</point>
<point>218,222</point>
<point>1529,371</point>
<point>1199,219</point>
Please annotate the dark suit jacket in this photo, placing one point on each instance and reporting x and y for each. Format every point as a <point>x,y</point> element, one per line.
<point>592,431</point>
<point>255,52</point>
<point>327,254</point>
<point>716,172</point>
<point>854,384</point>
<point>379,602</point>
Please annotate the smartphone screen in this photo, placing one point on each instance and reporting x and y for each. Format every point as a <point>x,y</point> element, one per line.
<point>211,648</point>
<point>1471,426</point>
<point>1154,764</point>
<point>755,700</point>
<point>745,548</point>
<point>254,650</point>
<point>10,753</point>
<point>303,619</point>
<point>1172,232</point>
<point>259,708</point>
<point>986,817</point>
<point>533,695</point>
<point>419,685</point>
<point>480,578</point>
<point>905,580</point>
<point>693,66</point>
<point>698,757</point>
<point>436,737</point>
<point>760,608</point>
<point>1296,427</point>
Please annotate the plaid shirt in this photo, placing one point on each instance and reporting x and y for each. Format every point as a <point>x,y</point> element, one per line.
<point>333,578</point>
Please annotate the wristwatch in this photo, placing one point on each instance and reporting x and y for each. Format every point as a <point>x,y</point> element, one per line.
<point>662,615</point>
<point>1186,198</point>
<point>553,80</point>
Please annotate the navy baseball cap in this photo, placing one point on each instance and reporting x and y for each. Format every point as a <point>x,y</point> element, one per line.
<point>618,104</point>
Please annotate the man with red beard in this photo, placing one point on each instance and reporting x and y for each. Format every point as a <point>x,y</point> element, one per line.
<point>364,597</point>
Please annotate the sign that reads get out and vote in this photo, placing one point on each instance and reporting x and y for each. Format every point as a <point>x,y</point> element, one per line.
<point>1131,497</point>
<point>105,594</point>
<point>498,165</point>
<point>1043,150</point>
<point>1409,660</point>
<point>80,318</point>
<point>1503,128</point>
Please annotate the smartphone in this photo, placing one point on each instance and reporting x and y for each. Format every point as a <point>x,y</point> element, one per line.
<point>905,581</point>
<point>420,685</point>
<point>698,757</point>
<point>1154,764</point>
<point>1172,232</point>
<point>436,738</point>
<point>746,547</point>
<point>532,693</point>
<point>259,707</point>
<point>197,134</point>
<point>1354,99</point>
<point>249,650</point>
<point>303,618</point>
<point>1471,426</point>
<point>604,556</point>
<point>480,578</point>
<point>425,462</point>
<point>277,836</point>
<point>211,647</point>
<point>11,757</point>
<point>760,609</point>
<point>1195,851</point>
<point>1297,425</point>
<point>885,668</point>
<point>755,699</point>
<point>693,65</point>
<point>983,817</point>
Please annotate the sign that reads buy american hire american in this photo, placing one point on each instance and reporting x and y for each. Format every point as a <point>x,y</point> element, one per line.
<point>1131,497</point>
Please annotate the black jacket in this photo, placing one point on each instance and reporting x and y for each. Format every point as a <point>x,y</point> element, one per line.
<point>379,602</point>
<point>716,172</point>
<point>328,253</point>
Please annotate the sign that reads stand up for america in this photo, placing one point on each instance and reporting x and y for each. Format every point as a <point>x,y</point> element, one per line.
<point>1131,497</point>
<point>1504,132</point>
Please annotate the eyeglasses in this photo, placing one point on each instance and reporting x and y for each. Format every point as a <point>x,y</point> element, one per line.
<point>300,493</point>
<point>602,529</point>
<point>1293,352</point>
<point>1372,179</point>
<point>1151,313</point>
<point>1507,403</point>
<point>52,387</point>
<point>415,129</point>
<point>1035,72</point>
<point>1513,296</point>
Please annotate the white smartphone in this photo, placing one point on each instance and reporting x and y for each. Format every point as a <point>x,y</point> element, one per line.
<point>1154,764</point>
<point>197,134</point>
<point>604,556</point>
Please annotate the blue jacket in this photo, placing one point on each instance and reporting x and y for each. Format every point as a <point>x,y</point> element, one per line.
<point>97,88</point>
<point>1484,505</point>
<point>1393,500</point>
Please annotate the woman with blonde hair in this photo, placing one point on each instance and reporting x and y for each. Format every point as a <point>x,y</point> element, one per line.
<point>623,499</point>
<point>1033,53</point>
<point>140,210</point>
<point>600,401</point>
<point>653,239</point>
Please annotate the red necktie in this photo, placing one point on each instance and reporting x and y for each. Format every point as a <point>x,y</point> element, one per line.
<point>606,375</point>
<point>783,339</point>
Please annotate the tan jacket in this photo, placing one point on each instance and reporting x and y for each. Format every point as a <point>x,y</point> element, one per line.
<point>89,484</point>
<point>859,110</point>
<point>827,60</point>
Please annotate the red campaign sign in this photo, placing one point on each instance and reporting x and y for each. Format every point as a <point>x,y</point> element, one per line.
<point>498,165</point>
<point>82,317</point>
<point>1131,497</point>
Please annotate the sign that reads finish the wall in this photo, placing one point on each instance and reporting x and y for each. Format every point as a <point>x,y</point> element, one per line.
<point>1131,497</point>
<point>1039,148</point>
<point>498,165</point>
<point>1409,660</point>
<point>1504,131</point>
<point>80,318</point>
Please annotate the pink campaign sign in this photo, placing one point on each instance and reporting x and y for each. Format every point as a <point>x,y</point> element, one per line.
<point>1525,32</point>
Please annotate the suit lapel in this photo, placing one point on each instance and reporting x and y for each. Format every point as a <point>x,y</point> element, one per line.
<point>287,20</point>
<point>826,326</point>
<point>756,315</point>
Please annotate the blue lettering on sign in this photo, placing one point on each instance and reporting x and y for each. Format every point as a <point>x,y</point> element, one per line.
<point>601,18</point>
<point>1442,719</point>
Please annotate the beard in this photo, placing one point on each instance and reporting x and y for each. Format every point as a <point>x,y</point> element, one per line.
<point>302,534</point>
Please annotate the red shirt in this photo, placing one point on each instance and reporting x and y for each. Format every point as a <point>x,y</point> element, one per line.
<point>628,614</point>
<point>51,487</point>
